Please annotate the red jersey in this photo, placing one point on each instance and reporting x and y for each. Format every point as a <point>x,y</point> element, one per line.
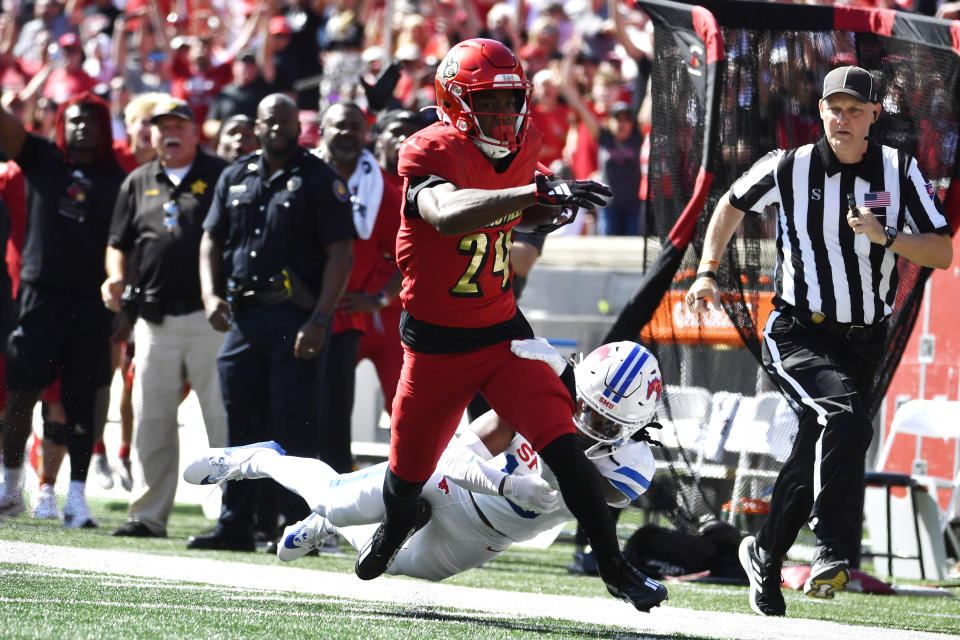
<point>459,280</point>
<point>368,254</point>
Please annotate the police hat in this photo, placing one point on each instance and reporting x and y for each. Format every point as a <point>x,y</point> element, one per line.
<point>172,107</point>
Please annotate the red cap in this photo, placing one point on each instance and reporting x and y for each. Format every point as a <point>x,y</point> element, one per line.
<point>279,24</point>
<point>69,40</point>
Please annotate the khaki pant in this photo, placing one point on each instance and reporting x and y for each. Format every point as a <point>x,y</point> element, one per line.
<point>182,348</point>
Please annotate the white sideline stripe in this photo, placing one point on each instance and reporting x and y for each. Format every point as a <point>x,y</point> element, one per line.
<point>662,621</point>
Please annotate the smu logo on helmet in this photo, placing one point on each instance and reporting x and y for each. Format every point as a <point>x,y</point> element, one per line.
<point>655,385</point>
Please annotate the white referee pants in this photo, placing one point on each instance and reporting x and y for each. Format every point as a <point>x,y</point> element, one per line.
<point>453,541</point>
<point>167,355</point>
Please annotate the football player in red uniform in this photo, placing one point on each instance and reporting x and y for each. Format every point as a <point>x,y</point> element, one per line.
<point>467,181</point>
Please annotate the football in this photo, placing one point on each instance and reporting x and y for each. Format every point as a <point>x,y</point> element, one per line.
<point>540,215</point>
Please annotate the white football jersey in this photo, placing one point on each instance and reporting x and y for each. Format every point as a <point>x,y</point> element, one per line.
<point>630,470</point>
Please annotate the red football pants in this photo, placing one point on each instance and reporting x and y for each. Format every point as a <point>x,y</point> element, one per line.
<point>434,391</point>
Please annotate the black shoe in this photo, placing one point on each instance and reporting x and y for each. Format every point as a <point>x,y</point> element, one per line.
<point>764,574</point>
<point>218,540</point>
<point>136,529</point>
<point>636,588</point>
<point>829,573</point>
<point>584,564</point>
<point>382,549</point>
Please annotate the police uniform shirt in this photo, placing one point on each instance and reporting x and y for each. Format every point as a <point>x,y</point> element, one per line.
<point>68,218</point>
<point>163,223</point>
<point>822,266</point>
<point>268,223</point>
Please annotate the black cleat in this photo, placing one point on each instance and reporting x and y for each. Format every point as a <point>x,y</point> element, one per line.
<point>829,573</point>
<point>218,540</point>
<point>382,549</point>
<point>764,574</point>
<point>636,588</point>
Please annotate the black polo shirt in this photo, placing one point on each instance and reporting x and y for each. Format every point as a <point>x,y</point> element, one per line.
<point>164,224</point>
<point>68,218</point>
<point>268,223</point>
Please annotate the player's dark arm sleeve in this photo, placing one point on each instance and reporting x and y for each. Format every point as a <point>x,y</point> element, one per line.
<point>568,380</point>
<point>417,185</point>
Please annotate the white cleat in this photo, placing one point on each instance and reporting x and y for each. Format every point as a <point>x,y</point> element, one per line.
<point>220,465</point>
<point>124,475</point>
<point>76,514</point>
<point>44,504</point>
<point>101,470</point>
<point>11,504</point>
<point>302,537</point>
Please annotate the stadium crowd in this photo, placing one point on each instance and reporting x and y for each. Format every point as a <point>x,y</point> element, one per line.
<point>151,64</point>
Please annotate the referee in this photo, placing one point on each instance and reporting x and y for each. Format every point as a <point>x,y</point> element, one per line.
<point>836,283</point>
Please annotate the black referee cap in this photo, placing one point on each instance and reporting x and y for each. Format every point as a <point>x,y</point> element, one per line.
<point>854,81</point>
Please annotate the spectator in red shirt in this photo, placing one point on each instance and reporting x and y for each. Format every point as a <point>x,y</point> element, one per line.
<point>550,115</point>
<point>69,79</point>
<point>197,79</point>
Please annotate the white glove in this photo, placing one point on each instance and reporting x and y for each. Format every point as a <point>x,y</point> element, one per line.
<point>539,349</point>
<point>532,492</point>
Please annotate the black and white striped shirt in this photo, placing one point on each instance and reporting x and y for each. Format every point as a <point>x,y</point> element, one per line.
<point>822,266</point>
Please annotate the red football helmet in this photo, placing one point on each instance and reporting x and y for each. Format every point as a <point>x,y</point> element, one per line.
<point>481,65</point>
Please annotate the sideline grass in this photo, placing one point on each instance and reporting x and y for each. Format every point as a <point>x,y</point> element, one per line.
<point>528,570</point>
<point>90,605</point>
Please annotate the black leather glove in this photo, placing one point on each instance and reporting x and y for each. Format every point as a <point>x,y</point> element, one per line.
<point>378,95</point>
<point>564,217</point>
<point>587,194</point>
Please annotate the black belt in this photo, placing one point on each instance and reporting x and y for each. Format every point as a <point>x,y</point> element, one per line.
<point>483,517</point>
<point>841,330</point>
<point>154,310</point>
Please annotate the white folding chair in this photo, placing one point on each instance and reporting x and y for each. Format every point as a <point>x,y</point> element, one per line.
<point>922,545</point>
<point>683,412</point>
<point>928,419</point>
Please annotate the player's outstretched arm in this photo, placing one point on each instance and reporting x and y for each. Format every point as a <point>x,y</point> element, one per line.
<point>462,465</point>
<point>452,211</point>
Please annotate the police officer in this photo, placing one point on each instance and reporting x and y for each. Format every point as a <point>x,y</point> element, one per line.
<point>836,287</point>
<point>275,257</point>
<point>71,188</point>
<point>157,224</point>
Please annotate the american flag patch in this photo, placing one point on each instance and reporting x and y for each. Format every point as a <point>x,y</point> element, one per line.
<point>876,199</point>
<point>930,190</point>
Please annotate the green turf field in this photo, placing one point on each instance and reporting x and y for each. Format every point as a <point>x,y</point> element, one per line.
<point>40,602</point>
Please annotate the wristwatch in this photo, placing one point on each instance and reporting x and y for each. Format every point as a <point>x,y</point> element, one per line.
<point>319,319</point>
<point>382,298</point>
<point>891,236</point>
